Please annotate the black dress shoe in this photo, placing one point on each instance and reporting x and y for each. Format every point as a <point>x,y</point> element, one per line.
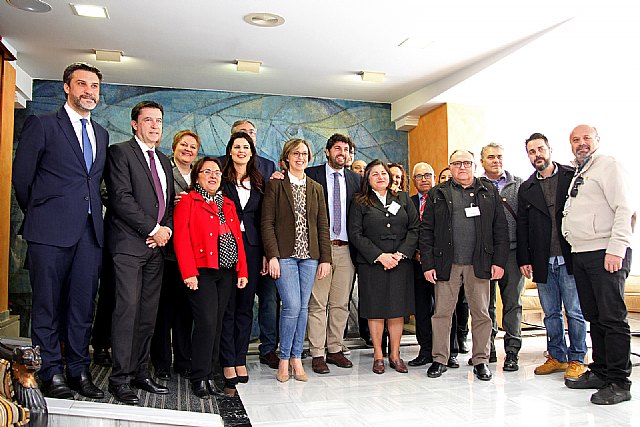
<point>150,386</point>
<point>57,388</point>
<point>230,382</point>
<point>213,388</point>
<point>482,371</point>
<point>421,360</point>
<point>436,369</point>
<point>101,357</point>
<point>84,385</point>
<point>243,379</point>
<point>453,362</point>
<point>510,362</point>
<point>585,381</point>
<point>184,373</point>
<point>123,393</point>
<point>163,374</point>
<point>493,357</point>
<point>200,389</point>
<point>463,348</point>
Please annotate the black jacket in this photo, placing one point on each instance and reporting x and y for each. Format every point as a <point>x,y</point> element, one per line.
<point>533,230</point>
<point>436,234</point>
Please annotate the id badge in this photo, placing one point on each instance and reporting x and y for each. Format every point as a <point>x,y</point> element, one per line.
<point>472,211</point>
<point>393,208</point>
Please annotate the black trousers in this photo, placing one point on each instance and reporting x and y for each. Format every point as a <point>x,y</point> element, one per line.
<point>425,305</point>
<point>101,331</point>
<point>138,283</point>
<point>173,323</point>
<point>208,304</point>
<point>238,317</point>
<point>601,297</point>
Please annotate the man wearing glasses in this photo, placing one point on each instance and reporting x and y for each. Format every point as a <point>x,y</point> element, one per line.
<point>598,223</point>
<point>463,242</point>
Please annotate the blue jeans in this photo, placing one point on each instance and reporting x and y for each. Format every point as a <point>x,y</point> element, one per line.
<point>267,310</point>
<point>561,289</point>
<point>294,285</point>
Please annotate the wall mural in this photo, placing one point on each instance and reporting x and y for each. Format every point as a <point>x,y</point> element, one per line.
<point>210,114</point>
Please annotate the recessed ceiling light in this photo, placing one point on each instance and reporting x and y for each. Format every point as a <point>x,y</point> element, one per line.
<point>108,55</point>
<point>89,11</point>
<point>264,19</point>
<point>250,66</point>
<point>30,5</point>
<point>371,76</point>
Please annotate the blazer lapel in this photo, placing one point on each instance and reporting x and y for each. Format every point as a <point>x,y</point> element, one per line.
<point>101,143</point>
<point>143,162</point>
<point>287,190</point>
<point>178,178</point>
<point>535,196</point>
<point>67,128</point>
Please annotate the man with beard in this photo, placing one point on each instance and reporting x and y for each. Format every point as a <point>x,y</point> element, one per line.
<point>329,303</point>
<point>598,223</point>
<point>544,255</point>
<point>57,172</point>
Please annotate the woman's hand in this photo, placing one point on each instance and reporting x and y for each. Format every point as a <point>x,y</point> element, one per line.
<point>242,282</point>
<point>324,268</point>
<point>274,268</point>
<point>388,261</point>
<point>192,283</point>
<point>178,197</point>
<point>265,267</point>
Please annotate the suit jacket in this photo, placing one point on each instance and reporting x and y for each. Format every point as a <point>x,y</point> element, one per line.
<point>279,225</point>
<point>265,166</point>
<point>52,185</point>
<point>133,201</point>
<point>534,224</point>
<point>251,214</point>
<point>196,235</point>
<point>179,184</point>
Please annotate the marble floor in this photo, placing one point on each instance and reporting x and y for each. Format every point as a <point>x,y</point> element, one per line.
<point>358,397</point>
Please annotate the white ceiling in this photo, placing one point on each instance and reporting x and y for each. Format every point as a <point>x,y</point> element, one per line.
<point>317,52</point>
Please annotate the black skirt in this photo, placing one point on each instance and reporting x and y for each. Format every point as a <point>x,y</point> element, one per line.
<point>386,294</point>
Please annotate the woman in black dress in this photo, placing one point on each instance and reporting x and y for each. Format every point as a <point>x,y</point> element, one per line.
<point>383,226</point>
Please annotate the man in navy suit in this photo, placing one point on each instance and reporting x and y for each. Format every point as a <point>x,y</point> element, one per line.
<point>139,223</point>
<point>57,172</point>
<point>329,303</point>
<point>266,289</point>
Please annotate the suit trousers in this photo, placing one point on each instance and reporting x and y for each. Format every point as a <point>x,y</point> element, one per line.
<point>138,284</point>
<point>511,287</point>
<point>208,304</point>
<point>446,296</point>
<point>329,304</point>
<point>64,284</point>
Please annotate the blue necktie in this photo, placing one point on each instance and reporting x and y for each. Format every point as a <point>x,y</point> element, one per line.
<point>86,145</point>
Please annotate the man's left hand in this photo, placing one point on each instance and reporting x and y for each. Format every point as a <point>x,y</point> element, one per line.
<point>612,263</point>
<point>496,272</point>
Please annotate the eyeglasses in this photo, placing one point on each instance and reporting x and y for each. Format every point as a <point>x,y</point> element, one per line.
<point>209,172</point>
<point>420,176</point>
<point>577,183</point>
<point>465,163</point>
<point>300,154</point>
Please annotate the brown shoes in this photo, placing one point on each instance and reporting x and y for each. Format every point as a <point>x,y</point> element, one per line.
<point>271,359</point>
<point>378,366</point>
<point>398,365</point>
<point>319,366</point>
<point>339,360</point>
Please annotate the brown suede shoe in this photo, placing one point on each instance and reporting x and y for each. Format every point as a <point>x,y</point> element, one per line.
<point>271,359</point>
<point>339,360</point>
<point>319,366</point>
<point>398,365</point>
<point>378,366</point>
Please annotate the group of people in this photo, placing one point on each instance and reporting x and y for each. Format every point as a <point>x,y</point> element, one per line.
<point>189,243</point>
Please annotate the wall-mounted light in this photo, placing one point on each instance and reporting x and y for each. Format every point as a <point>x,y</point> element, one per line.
<point>108,55</point>
<point>371,76</point>
<point>250,66</point>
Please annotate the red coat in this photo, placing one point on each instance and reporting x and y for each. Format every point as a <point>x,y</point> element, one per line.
<point>195,234</point>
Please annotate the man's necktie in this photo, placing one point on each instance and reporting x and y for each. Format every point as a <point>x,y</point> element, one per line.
<point>86,145</point>
<point>157,185</point>
<point>423,201</point>
<point>337,212</point>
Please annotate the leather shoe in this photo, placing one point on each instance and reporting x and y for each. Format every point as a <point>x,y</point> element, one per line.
<point>271,359</point>
<point>319,366</point>
<point>184,373</point>
<point>339,360</point>
<point>213,388</point>
<point>101,357</point>
<point>453,362</point>
<point>585,381</point>
<point>57,388</point>
<point>421,360</point>
<point>150,386</point>
<point>124,394</point>
<point>510,362</point>
<point>378,366</point>
<point>200,389</point>
<point>163,374</point>
<point>463,348</point>
<point>482,371</point>
<point>436,370</point>
<point>493,357</point>
<point>398,365</point>
<point>85,386</point>
<point>230,382</point>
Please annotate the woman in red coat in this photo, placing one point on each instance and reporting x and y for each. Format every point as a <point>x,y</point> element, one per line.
<point>210,253</point>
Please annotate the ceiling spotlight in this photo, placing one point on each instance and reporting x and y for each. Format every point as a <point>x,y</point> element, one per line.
<point>108,55</point>
<point>30,5</point>
<point>370,76</point>
<point>264,19</point>
<point>89,11</point>
<point>250,66</point>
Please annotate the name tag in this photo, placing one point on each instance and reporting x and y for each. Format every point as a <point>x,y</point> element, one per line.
<point>393,208</point>
<point>472,211</point>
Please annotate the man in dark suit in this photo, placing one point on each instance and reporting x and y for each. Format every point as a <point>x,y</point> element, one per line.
<point>266,289</point>
<point>139,223</point>
<point>544,255</point>
<point>57,172</point>
<point>329,303</point>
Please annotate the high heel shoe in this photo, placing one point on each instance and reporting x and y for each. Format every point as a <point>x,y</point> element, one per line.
<point>300,377</point>
<point>282,378</point>
<point>242,378</point>
<point>230,382</point>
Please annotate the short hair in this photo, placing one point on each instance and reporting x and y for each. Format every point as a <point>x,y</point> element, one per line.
<point>68,72</point>
<point>413,171</point>
<point>178,136</point>
<point>403,181</point>
<point>241,122</point>
<point>536,135</point>
<point>135,111</point>
<point>336,137</point>
<point>490,145</point>
<point>460,150</point>
<point>197,168</point>
<point>289,146</point>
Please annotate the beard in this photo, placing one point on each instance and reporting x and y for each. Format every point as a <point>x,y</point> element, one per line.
<point>542,166</point>
<point>83,103</point>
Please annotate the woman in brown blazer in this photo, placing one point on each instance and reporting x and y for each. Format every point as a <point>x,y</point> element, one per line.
<point>295,234</point>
